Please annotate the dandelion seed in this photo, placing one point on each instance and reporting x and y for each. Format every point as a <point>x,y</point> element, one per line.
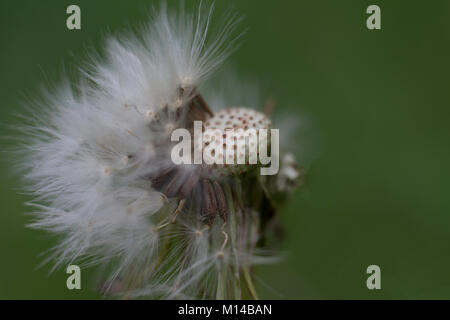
<point>98,162</point>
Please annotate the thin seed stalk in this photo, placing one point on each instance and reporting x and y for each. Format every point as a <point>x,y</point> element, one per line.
<point>221,285</point>
<point>249,281</point>
<point>232,225</point>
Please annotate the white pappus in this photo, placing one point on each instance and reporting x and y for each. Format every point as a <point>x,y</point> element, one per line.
<point>97,162</point>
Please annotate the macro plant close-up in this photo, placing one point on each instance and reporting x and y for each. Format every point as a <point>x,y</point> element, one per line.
<point>224,150</point>
<point>164,219</point>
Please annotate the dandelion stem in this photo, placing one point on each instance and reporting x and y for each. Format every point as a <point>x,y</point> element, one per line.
<point>233,231</point>
<point>220,295</point>
<point>251,287</point>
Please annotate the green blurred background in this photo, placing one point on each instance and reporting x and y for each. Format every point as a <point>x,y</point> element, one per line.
<point>378,192</point>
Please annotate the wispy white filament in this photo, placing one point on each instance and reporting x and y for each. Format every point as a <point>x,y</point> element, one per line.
<point>89,150</point>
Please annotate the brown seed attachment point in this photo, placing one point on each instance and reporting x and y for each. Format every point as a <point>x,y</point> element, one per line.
<point>220,255</point>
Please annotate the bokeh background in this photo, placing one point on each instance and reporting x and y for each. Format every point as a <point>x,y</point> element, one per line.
<point>377,103</point>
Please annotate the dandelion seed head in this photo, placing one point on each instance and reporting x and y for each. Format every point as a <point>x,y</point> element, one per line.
<point>97,162</point>
<point>235,131</point>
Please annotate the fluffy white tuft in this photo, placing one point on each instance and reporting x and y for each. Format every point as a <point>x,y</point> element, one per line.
<point>90,150</point>
<point>79,144</point>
